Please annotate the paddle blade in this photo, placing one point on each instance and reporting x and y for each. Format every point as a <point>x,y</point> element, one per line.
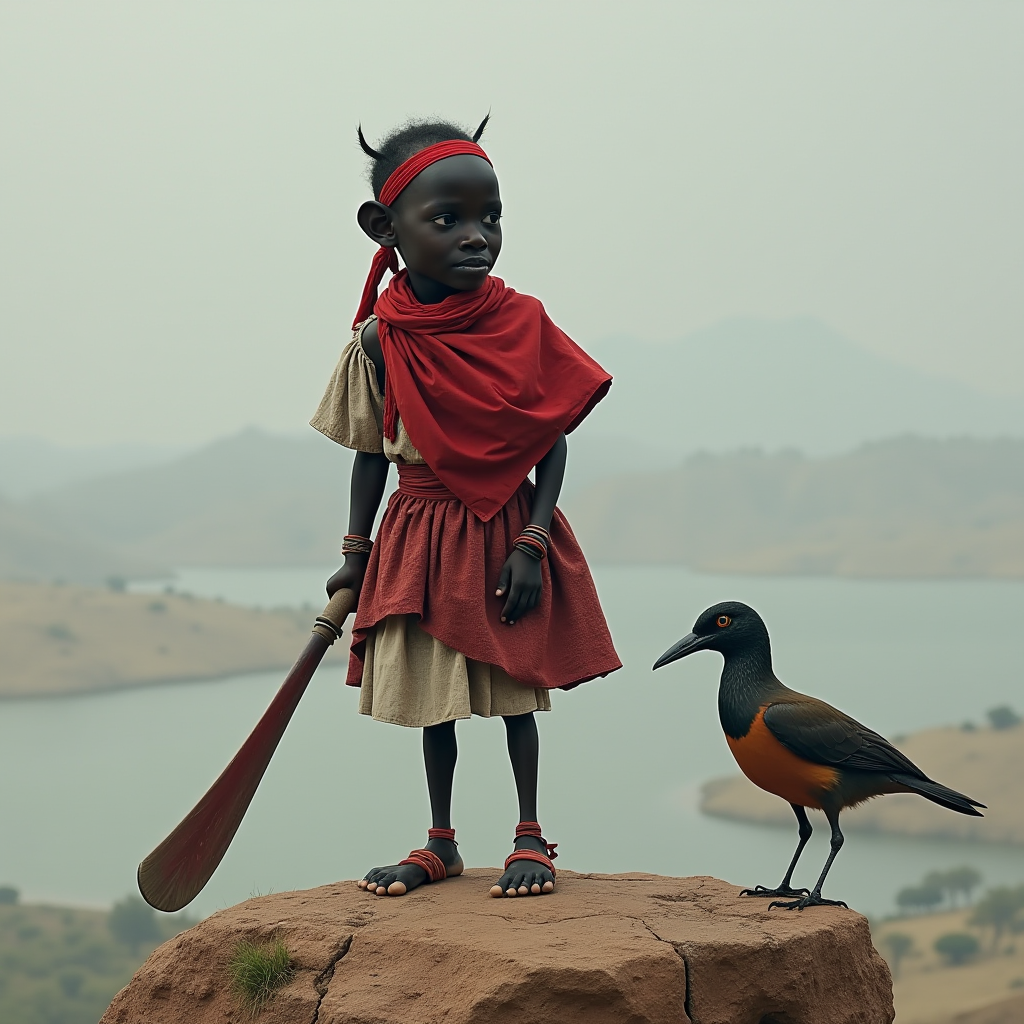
<point>176,871</point>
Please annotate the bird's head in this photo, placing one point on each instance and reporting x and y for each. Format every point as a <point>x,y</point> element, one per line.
<point>730,628</point>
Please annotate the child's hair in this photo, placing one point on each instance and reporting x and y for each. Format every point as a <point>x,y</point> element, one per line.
<point>407,139</point>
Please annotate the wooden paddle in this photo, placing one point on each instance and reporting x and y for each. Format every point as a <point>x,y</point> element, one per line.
<point>176,871</point>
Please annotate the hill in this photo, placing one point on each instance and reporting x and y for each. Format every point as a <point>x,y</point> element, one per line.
<point>928,990</point>
<point>32,549</point>
<point>65,640</point>
<point>251,499</point>
<point>907,507</point>
<point>781,384</point>
<point>29,465</point>
<point>63,965</point>
<point>987,764</point>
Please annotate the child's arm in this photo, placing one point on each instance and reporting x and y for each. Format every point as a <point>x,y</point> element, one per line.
<point>521,575</point>
<point>369,477</point>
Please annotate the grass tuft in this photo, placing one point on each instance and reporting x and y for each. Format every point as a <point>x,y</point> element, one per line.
<point>257,970</point>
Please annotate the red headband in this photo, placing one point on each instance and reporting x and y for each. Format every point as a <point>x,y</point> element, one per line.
<point>385,258</point>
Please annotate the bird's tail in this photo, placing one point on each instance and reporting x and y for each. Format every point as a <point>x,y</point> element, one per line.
<point>938,793</point>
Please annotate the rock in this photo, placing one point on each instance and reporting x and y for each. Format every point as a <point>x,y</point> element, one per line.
<point>601,949</point>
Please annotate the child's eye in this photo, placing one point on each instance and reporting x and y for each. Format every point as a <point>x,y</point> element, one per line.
<point>492,218</point>
<point>445,220</point>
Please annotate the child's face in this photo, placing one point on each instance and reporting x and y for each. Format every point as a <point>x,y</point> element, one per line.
<point>448,222</point>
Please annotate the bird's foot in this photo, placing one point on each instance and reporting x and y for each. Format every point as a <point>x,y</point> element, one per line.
<point>814,899</point>
<point>782,890</point>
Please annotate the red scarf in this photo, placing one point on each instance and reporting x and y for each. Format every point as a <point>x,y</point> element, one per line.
<point>484,383</point>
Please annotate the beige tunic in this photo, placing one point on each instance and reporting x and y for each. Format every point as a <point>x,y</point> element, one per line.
<point>409,677</point>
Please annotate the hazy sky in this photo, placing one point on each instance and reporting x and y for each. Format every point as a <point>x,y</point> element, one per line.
<point>178,183</point>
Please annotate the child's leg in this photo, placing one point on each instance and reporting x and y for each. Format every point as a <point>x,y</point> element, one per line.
<point>524,877</point>
<point>440,752</point>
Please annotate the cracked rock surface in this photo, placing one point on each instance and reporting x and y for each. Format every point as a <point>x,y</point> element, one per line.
<point>601,949</point>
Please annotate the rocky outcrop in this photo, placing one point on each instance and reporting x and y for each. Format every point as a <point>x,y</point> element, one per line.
<point>602,949</point>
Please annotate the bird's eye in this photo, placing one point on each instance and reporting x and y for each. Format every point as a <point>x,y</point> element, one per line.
<point>723,621</point>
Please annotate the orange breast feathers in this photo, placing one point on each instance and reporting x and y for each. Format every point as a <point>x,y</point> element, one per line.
<point>771,766</point>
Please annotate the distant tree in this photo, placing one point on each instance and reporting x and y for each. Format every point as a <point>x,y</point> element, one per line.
<point>117,583</point>
<point>957,947</point>
<point>919,898</point>
<point>896,946</point>
<point>8,895</point>
<point>133,922</point>
<point>1003,717</point>
<point>998,909</point>
<point>937,880</point>
<point>962,881</point>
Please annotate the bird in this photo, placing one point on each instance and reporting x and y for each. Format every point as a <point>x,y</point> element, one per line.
<point>796,746</point>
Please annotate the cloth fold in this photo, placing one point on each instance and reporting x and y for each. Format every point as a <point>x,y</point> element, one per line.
<point>484,382</point>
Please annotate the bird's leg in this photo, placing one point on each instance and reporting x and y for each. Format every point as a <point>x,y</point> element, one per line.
<point>815,899</point>
<point>785,888</point>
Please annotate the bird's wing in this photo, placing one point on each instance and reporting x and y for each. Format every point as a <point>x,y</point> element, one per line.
<point>817,732</point>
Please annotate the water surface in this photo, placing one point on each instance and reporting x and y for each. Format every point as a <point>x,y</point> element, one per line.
<point>92,783</point>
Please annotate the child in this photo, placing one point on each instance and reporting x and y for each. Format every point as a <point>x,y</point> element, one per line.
<point>475,598</point>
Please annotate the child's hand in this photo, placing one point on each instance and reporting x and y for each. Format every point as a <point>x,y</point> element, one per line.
<point>520,579</point>
<point>349,575</point>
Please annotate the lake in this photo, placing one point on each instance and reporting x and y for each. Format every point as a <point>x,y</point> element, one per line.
<point>92,783</point>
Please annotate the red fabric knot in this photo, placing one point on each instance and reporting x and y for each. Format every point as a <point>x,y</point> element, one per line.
<point>441,833</point>
<point>387,259</point>
<point>430,862</point>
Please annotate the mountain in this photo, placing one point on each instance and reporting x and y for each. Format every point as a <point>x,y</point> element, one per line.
<point>251,499</point>
<point>907,507</point>
<point>29,465</point>
<point>903,507</point>
<point>32,551</point>
<point>781,384</point>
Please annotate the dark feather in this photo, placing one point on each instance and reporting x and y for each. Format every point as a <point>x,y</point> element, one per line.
<point>817,732</point>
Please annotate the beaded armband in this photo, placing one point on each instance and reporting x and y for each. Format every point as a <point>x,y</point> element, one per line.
<point>533,541</point>
<point>353,544</point>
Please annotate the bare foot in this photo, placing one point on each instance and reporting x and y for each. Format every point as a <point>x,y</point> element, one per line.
<point>398,879</point>
<point>526,877</point>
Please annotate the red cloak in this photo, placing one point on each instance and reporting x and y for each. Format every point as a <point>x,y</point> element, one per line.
<point>484,383</point>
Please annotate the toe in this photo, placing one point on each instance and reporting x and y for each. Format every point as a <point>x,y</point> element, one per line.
<point>523,890</point>
<point>548,886</point>
<point>535,889</point>
<point>511,892</point>
<point>496,890</point>
<point>396,888</point>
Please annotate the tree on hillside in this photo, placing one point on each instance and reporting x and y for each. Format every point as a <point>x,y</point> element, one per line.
<point>998,909</point>
<point>896,947</point>
<point>962,881</point>
<point>133,922</point>
<point>8,895</point>
<point>1003,717</point>
<point>957,947</point>
<point>919,898</point>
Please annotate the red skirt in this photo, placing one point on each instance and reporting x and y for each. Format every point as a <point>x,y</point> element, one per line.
<point>433,558</point>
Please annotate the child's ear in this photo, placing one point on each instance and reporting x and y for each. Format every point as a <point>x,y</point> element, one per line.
<point>375,220</point>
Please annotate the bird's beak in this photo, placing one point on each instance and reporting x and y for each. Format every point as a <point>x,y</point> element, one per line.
<point>690,643</point>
